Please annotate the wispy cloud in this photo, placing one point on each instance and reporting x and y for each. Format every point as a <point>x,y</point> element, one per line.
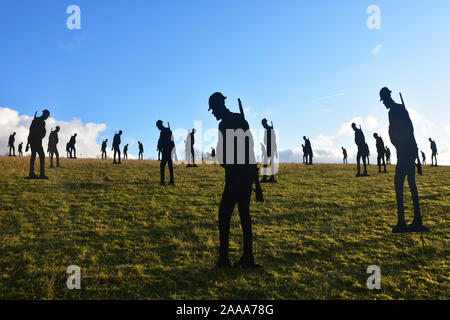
<point>376,50</point>
<point>326,97</point>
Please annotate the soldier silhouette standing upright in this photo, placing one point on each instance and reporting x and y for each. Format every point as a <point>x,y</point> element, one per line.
<point>304,153</point>
<point>35,136</point>
<point>401,132</point>
<point>68,151</point>
<point>165,145</point>
<point>116,147</point>
<point>362,152</point>
<point>20,149</point>
<point>388,155</point>
<point>424,158</point>
<point>190,140</point>
<point>344,153</point>
<point>434,152</point>
<point>241,172</point>
<point>380,152</point>
<point>104,146</point>
<point>52,146</point>
<point>72,143</point>
<point>309,152</point>
<point>125,151</point>
<point>141,151</point>
<point>11,141</point>
<point>270,141</point>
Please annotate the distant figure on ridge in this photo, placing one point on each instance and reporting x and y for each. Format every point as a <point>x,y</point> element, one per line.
<point>11,141</point>
<point>116,147</point>
<point>424,158</point>
<point>241,172</point>
<point>165,145</point>
<point>141,151</point>
<point>68,151</point>
<point>362,151</point>
<point>35,136</point>
<point>125,151</point>
<point>304,154</point>
<point>309,152</point>
<point>72,143</point>
<point>52,146</point>
<point>104,146</point>
<point>401,132</point>
<point>380,152</point>
<point>20,149</point>
<point>270,142</point>
<point>344,153</point>
<point>190,140</point>
<point>388,155</point>
<point>434,152</point>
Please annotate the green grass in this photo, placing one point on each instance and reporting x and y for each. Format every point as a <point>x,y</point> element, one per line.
<point>316,234</point>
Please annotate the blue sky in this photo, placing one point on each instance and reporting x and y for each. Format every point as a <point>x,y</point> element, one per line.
<point>306,65</point>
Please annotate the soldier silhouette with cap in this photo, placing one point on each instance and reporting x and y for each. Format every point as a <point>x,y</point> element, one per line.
<point>72,143</point>
<point>434,152</point>
<point>116,147</point>
<point>104,146</point>
<point>362,151</point>
<point>141,151</point>
<point>380,152</point>
<point>304,153</point>
<point>235,153</point>
<point>20,149</point>
<point>344,153</point>
<point>52,146</point>
<point>165,145</point>
<point>35,136</point>
<point>190,140</point>
<point>309,152</point>
<point>401,132</point>
<point>270,141</point>
<point>11,141</point>
<point>125,151</point>
<point>424,158</point>
<point>388,155</point>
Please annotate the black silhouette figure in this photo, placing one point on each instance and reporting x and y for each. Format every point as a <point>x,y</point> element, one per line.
<point>20,149</point>
<point>125,151</point>
<point>362,150</point>
<point>424,158</point>
<point>304,153</point>
<point>165,145</point>
<point>104,146</point>
<point>141,151</point>
<point>270,142</point>
<point>388,155</point>
<point>367,154</point>
<point>380,152</point>
<point>68,151</point>
<point>213,152</point>
<point>72,149</point>
<point>116,147</point>
<point>52,148</point>
<point>434,152</point>
<point>35,136</point>
<point>401,132</point>
<point>11,141</point>
<point>241,172</point>
<point>344,153</point>
<point>190,140</point>
<point>309,152</point>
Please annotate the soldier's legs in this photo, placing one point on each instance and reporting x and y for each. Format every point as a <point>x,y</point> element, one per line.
<point>169,162</point>
<point>51,159</point>
<point>246,223</point>
<point>411,174</point>
<point>399,180</point>
<point>384,163</point>
<point>118,153</point>
<point>40,152</point>
<point>162,167</point>
<point>57,157</point>
<point>192,154</point>
<point>225,211</point>
<point>358,163</point>
<point>32,159</point>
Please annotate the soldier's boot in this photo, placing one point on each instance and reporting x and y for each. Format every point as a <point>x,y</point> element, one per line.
<point>272,179</point>
<point>171,182</point>
<point>264,179</point>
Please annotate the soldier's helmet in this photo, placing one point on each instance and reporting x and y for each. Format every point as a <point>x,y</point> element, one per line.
<point>46,113</point>
<point>375,135</point>
<point>57,128</point>
<point>264,121</point>
<point>354,125</point>
<point>217,99</point>
<point>159,123</point>
<point>385,93</point>
<point>120,131</point>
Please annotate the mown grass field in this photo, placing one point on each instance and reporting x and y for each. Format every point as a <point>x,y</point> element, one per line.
<point>316,234</point>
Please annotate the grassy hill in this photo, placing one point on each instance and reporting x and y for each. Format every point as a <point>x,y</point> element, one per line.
<point>316,234</point>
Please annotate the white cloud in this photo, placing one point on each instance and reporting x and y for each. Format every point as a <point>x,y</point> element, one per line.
<point>447,129</point>
<point>87,134</point>
<point>376,50</point>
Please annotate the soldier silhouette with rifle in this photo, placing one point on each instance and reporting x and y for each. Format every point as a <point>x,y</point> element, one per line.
<point>344,153</point>
<point>380,152</point>
<point>116,147</point>
<point>270,141</point>
<point>125,151</point>
<point>309,152</point>
<point>36,134</point>
<point>11,141</point>
<point>165,145</point>
<point>72,143</point>
<point>141,151</point>
<point>434,152</point>
<point>20,149</point>
<point>362,150</point>
<point>235,154</point>
<point>401,132</point>
<point>52,148</point>
<point>103,149</point>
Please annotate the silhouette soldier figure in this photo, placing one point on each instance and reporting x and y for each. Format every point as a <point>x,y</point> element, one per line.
<point>36,134</point>
<point>20,149</point>
<point>213,152</point>
<point>104,146</point>
<point>424,158</point>
<point>141,151</point>
<point>362,151</point>
<point>270,141</point>
<point>434,152</point>
<point>304,153</point>
<point>309,152</point>
<point>125,151</point>
<point>190,140</point>
<point>344,153</point>
<point>401,132</point>
<point>165,145</point>
<point>52,146</point>
<point>241,172</point>
<point>116,147</point>
<point>388,155</point>
<point>68,151</point>
<point>11,141</point>
<point>72,142</point>
<point>380,152</point>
